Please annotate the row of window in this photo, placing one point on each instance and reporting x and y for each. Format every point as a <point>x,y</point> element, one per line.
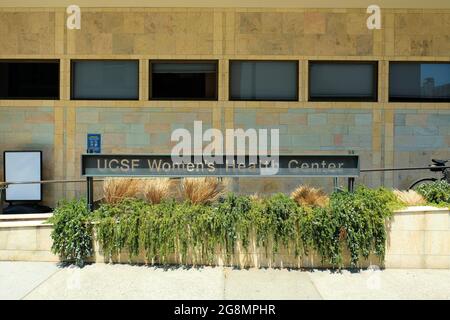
<point>249,80</point>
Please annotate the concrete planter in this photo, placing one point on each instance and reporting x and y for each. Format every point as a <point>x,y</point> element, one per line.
<point>418,237</point>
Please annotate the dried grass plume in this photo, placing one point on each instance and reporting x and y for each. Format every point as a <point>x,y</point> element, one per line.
<point>157,190</point>
<point>308,196</point>
<point>202,190</point>
<point>410,197</point>
<point>118,189</point>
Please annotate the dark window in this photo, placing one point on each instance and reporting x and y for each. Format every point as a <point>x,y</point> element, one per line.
<point>183,80</point>
<point>29,80</point>
<point>264,80</point>
<point>105,80</point>
<point>419,82</point>
<point>343,81</point>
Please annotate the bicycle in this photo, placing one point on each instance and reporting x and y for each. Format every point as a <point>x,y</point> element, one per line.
<point>436,166</point>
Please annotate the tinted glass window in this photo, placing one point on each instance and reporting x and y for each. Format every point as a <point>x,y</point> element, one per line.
<point>184,80</point>
<point>263,80</point>
<point>419,81</point>
<point>29,80</point>
<point>105,80</point>
<point>343,81</point>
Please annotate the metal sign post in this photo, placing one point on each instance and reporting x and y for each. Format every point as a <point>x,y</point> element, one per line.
<point>2,197</point>
<point>90,193</point>
<point>351,184</point>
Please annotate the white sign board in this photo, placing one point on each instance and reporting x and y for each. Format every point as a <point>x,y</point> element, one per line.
<point>22,166</point>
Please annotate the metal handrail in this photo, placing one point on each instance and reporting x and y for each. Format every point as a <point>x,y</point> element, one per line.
<point>90,180</point>
<point>45,182</point>
<point>2,183</point>
<point>404,169</point>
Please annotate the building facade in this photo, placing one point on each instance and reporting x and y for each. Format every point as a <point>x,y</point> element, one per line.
<point>385,130</point>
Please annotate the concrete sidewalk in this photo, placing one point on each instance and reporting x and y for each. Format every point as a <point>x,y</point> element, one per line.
<point>28,280</point>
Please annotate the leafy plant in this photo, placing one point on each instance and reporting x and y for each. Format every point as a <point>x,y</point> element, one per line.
<point>231,222</point>
<point>361,221</point>
<point>201,230</point>
<point>437,193</point>
<point>282,215</point>
<point>321,232</point>
<point>72,231</point>
<point>118,226</point>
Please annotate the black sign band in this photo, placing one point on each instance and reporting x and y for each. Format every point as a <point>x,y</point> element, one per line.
<point>105,165</point>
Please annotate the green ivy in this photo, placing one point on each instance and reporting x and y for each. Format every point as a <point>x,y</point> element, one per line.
<point>437,193</point>
<point>360,222</point>
<point>72,231</point>
<point>352,220</point>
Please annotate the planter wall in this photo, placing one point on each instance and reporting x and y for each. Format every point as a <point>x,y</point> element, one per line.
<point>418,237</point>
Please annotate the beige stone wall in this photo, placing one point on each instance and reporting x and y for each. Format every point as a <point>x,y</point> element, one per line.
<point>27,32</point>
<point>230,3</point>
<point>418,237</point>
<point>223,34</point>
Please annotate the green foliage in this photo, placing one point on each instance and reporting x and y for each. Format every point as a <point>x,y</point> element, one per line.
<point>72,231</point>
<point>360,221</point>
<point>437,193</point>
<point>320,232</point>
<point>282,218</point>
<point>352,220</point>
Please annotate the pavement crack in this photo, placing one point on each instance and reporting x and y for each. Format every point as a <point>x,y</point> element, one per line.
<point>225,271</point>
<point>314,285</point>
<point>40,283</point>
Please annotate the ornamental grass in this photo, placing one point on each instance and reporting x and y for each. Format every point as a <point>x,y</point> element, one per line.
<point>410,197</point>
<point>118,189</point>
<point>311,197</point>
<point>202,190</point>
<point>157,190</point>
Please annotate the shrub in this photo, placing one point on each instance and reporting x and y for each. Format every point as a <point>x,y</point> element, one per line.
<point>201,190</point>
<point>72,231</point>
<point>361,222</point>
<point>410,197</point>
<point>118,226</point>
<point>308,196</point>
<point>353,220</point>
<point>437,193</point>
<point>282,221</point>
<point>157,190</point>
<point>320,231</point>
<point>118,189</point>
<point>231,222</point>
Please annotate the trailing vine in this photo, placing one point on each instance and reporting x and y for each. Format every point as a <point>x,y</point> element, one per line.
<point>72,231</point>
<point>436,193</point>
<point>355,221</point>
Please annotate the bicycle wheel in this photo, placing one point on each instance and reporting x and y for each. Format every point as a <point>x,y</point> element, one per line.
<point>422,182</point>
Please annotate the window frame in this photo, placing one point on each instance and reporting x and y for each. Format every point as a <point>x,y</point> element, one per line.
<point>413,100</point>
<point>181,61</point>
<point>297,79</point>
<point>56,61</point>
<point>375,96</point>
<point>72,78</point>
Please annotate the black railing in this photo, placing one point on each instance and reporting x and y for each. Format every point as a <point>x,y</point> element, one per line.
<point>90,181</point>
<point>403,169</point>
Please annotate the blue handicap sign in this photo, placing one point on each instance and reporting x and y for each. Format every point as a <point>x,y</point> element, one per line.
<point>94,143</point>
